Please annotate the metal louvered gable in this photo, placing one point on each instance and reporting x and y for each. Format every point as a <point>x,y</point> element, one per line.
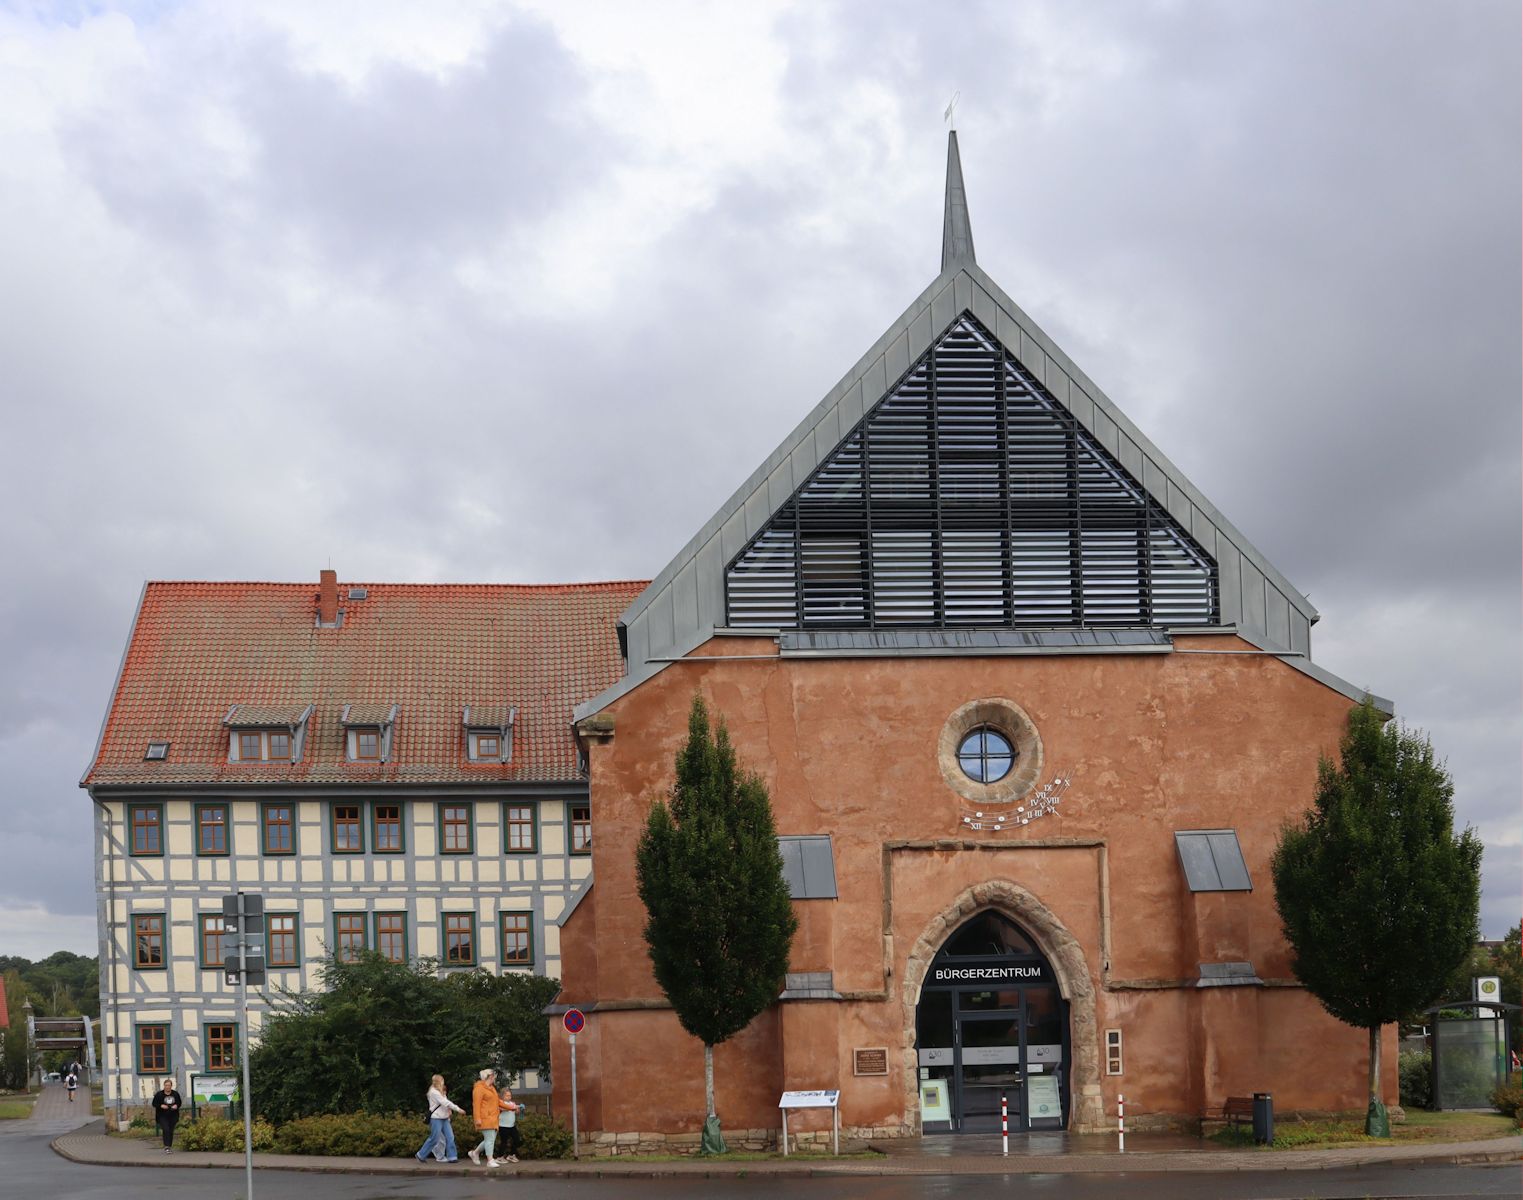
<point>968,498</point>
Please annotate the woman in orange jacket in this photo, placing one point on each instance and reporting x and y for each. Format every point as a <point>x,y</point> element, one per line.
<point>485,1107</point>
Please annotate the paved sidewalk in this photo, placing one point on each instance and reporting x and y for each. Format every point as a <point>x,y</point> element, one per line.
<point>52,1111</point>
<point>90,1145</point>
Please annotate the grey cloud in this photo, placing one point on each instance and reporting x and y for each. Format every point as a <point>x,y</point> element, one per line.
<point>1282,237</point>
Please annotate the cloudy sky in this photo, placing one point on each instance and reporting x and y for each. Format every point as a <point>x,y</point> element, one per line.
<point>521,292</point>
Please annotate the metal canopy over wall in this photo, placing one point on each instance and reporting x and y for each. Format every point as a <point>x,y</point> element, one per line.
<point>967,497</point>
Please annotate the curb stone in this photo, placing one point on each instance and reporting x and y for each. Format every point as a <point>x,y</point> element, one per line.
<point>90,1146</point>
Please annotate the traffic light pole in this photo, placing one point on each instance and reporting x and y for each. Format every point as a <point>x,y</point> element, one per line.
<point>243,1005</point>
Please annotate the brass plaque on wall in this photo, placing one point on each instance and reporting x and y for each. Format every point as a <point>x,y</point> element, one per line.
<point>872,1060</point>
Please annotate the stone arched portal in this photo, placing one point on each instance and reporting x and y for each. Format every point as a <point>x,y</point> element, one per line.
<point>1075,984</point>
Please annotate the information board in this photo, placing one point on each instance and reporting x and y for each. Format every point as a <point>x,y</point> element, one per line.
<point>1043,1101</point>
<point>810,1099</point>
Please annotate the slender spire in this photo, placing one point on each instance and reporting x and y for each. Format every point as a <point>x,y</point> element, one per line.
<point>957,227</point>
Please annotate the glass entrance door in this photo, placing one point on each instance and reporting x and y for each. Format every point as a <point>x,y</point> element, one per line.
<point>989,1062</point>
<point>991,1023</point>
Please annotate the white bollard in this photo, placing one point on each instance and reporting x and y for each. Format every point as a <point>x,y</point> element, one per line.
<point>1121,1124</point>
<point>1004,1125</point>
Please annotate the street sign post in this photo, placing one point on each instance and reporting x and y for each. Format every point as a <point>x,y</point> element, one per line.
<point>243,963</point>
<point>574,1021</point>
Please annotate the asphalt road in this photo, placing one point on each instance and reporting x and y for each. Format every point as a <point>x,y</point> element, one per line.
<point>29,1168</point>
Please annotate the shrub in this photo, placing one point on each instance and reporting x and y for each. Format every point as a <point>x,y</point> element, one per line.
<point>218,1133</point>
<point>1507,1099</point>
<point>1415,1070</point>
<point>543,1137</point>
<point>358,1135</point>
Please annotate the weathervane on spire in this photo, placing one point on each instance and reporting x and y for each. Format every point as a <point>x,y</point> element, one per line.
<point>950,116</point>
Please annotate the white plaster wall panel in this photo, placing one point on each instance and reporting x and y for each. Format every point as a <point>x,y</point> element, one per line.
<point>552,838</point>
<point>182,911</point>
<point>512,870</point>
<point>177,840</point>
<point>553,869</point>
<point>489,872</point>
<point>424,840</point>
<point>186,978</point>
<point>425,871</point>
<point>581,867</point>
<point>428,909</point>
<point>553,907</point>
<point>312,912</point>
<point>531,870</point>
<point>552,935</point>
<point>311,870</point>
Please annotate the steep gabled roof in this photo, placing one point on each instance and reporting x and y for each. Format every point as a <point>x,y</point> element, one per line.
<point>198,649</point>
<point>685,603</point>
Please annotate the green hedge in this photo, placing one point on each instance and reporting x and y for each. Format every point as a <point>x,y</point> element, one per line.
<point>372,1135</point>
<point>218,1133</point>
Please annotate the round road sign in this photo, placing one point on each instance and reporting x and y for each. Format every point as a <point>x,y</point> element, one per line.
<point>574,1020</point>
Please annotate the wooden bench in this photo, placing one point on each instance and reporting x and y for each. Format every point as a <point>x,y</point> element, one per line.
<point>1237,1110</point>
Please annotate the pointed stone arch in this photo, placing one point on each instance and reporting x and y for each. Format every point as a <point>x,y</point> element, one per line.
<point>1075,984</point>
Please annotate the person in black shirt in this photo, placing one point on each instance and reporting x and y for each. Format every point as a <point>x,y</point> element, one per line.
<point>166,1112</point>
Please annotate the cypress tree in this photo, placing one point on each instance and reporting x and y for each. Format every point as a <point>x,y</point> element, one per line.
<point>720,917</point>
<point>1379,897</point>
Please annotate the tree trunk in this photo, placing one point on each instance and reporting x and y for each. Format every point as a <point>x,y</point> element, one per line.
<point>1375,1064</point>
<point>708,1080</point>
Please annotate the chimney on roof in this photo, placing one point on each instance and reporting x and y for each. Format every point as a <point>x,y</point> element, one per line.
<point>327,598</point>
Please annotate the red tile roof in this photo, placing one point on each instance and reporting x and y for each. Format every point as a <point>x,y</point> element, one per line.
<point>197,649</point>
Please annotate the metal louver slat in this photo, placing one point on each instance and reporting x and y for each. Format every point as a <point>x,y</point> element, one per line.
<point>968,498</point>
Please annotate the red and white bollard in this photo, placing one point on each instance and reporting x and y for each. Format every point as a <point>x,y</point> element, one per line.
<point>1004,1125</point>
<point>1121,1124</point>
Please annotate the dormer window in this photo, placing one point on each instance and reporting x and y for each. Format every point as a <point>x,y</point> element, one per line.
<point>367,732</point>
<point>156,752</point>
<point>262,733</point>
<point>489,732</point>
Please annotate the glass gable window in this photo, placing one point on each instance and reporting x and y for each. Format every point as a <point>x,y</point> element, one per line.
<point>969,497</point>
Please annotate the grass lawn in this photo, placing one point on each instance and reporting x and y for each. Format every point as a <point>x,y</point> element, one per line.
<point>16,1107</point>
<point>1419,1127</point>
<point>97,1103</point>
<point>737,1156</point>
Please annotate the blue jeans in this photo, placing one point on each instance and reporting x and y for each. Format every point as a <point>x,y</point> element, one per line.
<point>439,1129</point>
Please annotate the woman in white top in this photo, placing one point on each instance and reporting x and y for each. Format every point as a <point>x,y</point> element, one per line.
<point>439,1129</point>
